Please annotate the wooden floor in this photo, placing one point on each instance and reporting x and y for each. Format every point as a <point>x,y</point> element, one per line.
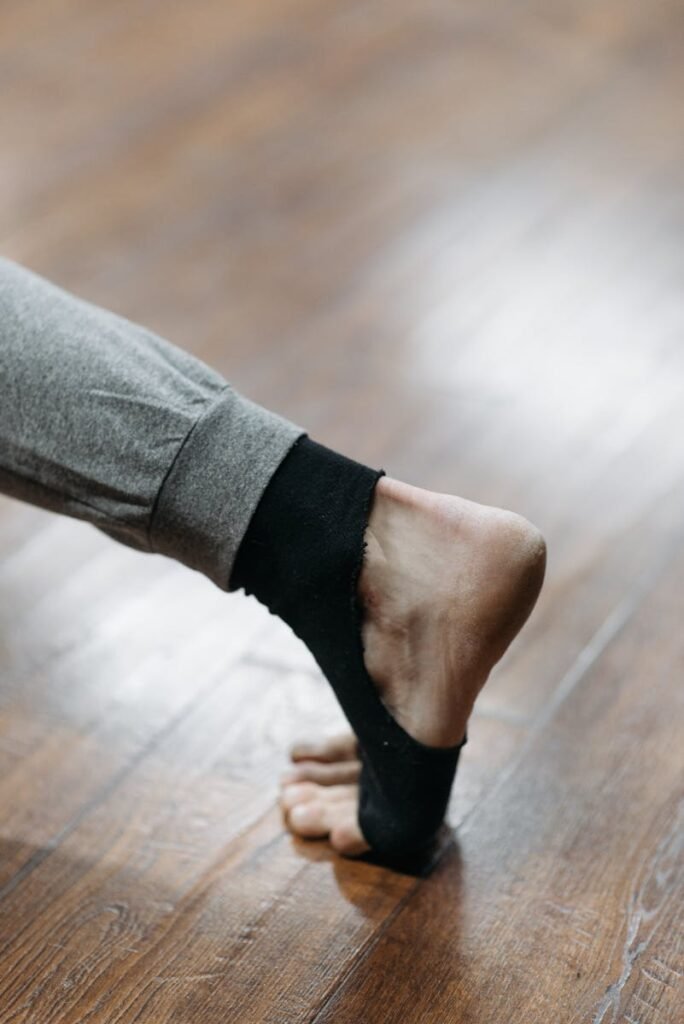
<point>448,238</point>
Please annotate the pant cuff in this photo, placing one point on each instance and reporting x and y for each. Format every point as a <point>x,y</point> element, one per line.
<point>215,482</point>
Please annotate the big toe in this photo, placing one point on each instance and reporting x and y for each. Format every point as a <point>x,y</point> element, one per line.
<point>320,812</point>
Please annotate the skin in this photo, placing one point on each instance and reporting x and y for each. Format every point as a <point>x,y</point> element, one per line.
<point>446,585</point>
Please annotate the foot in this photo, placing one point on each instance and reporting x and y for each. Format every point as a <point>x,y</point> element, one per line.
<point>446,585</point>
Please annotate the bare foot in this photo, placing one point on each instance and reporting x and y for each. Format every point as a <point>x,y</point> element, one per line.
<point>446,585</point>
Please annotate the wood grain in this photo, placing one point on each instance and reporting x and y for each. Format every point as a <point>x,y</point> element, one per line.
<point>447,238</point>
<point>562,893</point>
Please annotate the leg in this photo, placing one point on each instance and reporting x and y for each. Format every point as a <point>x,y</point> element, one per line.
<point>102,420</point>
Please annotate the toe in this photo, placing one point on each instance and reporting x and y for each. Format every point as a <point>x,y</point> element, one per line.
<point>311,820</point>
<point>340,773</point>
<point>318,812</point>
<point>298,793</point>
<point>346,836</point>
<point>343,747</point>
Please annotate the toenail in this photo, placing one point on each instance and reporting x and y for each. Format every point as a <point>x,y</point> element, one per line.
<point>301,814</point>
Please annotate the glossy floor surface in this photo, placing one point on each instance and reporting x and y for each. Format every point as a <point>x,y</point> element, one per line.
<point>449,238</point>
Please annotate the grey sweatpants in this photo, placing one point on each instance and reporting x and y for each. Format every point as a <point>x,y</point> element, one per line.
<point>103,420</point>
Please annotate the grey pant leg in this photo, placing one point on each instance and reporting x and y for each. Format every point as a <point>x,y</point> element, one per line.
<point>103,420</point>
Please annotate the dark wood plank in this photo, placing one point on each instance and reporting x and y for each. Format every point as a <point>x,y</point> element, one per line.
<point>182,840</point>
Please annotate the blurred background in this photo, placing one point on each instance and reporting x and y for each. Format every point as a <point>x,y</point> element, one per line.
<point>445,238</point>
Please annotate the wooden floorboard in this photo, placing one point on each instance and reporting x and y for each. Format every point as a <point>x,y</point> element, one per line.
<point>561,898</point>
<point>448,239</point>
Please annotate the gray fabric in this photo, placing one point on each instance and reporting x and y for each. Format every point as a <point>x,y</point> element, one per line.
<point>103,420</point>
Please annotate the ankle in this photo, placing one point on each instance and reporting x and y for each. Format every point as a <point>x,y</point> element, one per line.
<point>305,536</point>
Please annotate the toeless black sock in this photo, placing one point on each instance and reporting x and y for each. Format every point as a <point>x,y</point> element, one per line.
<point>301,556</point>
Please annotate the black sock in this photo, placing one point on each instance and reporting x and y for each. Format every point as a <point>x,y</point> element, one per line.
<point>301,556</point>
